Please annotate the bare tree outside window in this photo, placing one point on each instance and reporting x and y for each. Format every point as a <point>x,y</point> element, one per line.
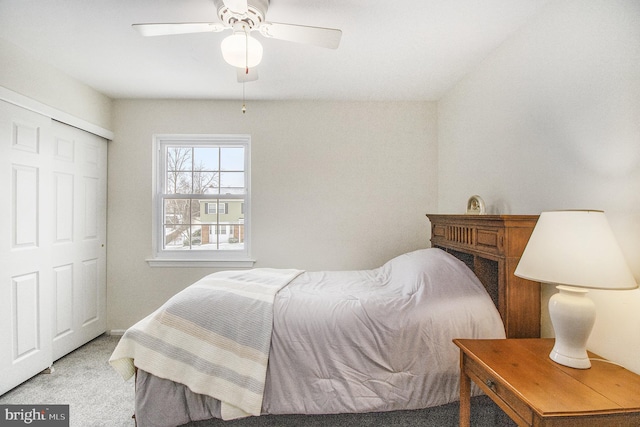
<point>195,173</point>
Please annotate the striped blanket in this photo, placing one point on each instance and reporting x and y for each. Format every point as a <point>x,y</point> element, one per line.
<point>214,337</point>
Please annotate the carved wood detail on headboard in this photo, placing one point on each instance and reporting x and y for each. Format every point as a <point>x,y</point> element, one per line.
<point>491,246</point>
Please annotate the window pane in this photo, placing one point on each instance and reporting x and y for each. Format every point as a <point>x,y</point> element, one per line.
<point>232,159</point>
<point>203,211</point>
<point>232,182</point>
<point>205,182</point>
<point>179,159</point>
<point>230,211</point>
<point>176,237</point>
<point>206,158</point>
<point>176,211</point>
<point>178,183</point>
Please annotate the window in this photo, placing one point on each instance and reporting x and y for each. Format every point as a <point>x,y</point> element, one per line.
<point>213,208</point>
<point>201,200</point>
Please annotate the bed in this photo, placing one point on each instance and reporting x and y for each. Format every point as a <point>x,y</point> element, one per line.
<point>295,342</point>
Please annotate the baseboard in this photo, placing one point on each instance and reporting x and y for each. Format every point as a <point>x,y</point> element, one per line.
<point>116,332</point>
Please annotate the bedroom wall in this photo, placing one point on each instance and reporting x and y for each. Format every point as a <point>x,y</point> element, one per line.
<point>551,121</point>
<point>27,76</point>
<point>335,186</point>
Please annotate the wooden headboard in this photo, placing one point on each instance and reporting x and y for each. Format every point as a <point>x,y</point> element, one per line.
<point>491,245</point>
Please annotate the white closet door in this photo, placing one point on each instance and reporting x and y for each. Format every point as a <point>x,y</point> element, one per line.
<point>78,215</point>
<point>25,255</point>
<point>52,241</point>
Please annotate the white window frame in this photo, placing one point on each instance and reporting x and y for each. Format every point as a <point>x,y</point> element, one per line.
<point>198,258</point>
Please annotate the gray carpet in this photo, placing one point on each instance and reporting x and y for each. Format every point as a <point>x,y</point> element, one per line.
<point>97,396</point>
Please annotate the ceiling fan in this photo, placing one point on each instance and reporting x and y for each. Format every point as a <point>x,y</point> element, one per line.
<point>242,17</point>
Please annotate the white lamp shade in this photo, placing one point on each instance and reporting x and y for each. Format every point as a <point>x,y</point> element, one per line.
<point>575,248</point>
<point>235,48</point>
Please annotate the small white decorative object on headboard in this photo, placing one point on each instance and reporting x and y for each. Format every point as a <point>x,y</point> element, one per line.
<point>475,205</point>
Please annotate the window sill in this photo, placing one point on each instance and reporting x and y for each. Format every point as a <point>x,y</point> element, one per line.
<point>231,263</point>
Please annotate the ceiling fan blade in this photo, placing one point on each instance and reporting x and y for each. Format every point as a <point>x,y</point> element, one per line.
<point>318,36</point>
<point>237,6</point>
<point>244,77</point>
<point>168,29</point>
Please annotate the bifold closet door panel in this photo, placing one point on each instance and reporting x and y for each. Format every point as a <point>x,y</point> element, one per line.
<point>25,253</point>
<point>79,189</point>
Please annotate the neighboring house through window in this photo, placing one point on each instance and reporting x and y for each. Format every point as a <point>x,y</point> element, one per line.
<point>201,200</point>
<point>212,208</point>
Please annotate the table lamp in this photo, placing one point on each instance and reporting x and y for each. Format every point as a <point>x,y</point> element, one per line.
<point>574,250</point>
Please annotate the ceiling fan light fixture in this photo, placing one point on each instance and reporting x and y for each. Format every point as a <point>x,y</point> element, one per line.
<point>241,50</point>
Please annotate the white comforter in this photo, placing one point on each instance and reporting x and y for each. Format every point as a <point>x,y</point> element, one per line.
<point>359,341</point>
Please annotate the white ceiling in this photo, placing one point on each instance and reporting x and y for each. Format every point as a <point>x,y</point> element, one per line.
<point>390,50</point>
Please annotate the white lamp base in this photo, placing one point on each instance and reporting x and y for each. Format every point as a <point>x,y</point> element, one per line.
<point>572,316</point>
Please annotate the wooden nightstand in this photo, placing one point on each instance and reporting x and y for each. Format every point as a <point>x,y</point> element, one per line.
<point>519,377</point>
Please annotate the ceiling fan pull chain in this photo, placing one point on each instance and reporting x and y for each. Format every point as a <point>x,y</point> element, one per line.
<point>244,107</point>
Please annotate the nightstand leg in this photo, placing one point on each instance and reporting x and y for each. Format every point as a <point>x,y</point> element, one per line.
<point>465,395</point>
